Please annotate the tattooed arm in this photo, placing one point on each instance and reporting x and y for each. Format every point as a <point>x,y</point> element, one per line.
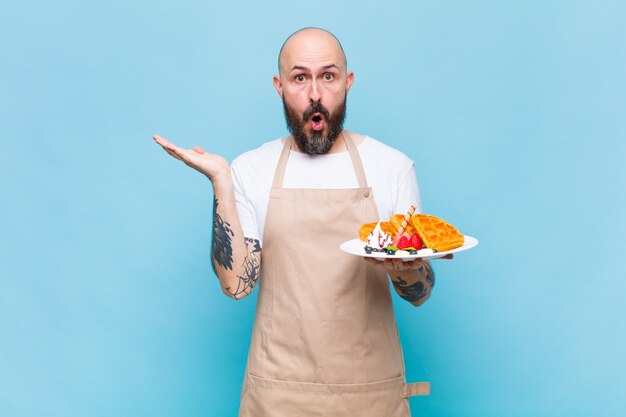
<point>235,258</point>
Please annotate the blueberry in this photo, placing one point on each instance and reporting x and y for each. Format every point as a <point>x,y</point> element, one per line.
<point>413,252</point>
<point>368,249</point>
<point>390,252</point>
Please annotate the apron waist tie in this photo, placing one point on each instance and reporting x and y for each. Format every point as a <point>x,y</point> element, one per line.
<point>416,388</point>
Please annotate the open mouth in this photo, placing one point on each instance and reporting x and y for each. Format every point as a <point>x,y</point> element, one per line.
<point>317,121</point>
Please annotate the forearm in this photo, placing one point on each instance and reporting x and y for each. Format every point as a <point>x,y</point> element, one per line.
<point>414,285</point>
<point>236,259</point>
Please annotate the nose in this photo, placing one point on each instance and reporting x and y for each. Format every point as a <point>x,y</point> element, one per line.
<point>314,93</point>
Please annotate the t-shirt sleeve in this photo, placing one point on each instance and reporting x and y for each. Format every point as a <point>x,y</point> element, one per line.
<point>408,192</point>
<point>246,214</point>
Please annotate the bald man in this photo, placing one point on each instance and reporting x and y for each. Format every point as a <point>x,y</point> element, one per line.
<point>325,341</point>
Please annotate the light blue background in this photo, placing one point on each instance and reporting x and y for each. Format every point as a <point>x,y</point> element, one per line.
<point>514,113</point>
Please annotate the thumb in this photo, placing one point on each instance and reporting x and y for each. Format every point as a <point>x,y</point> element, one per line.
<point>199,150</point>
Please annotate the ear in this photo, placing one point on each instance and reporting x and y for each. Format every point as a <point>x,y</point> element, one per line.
<point>349,80</point>
<point>278,85</point>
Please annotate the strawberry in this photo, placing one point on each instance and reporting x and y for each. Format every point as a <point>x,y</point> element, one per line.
<point>415,241</point>
<point>403,243</point>
<point>396,240</point>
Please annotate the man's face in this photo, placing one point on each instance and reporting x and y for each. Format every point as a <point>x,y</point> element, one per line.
<point>313,85</point>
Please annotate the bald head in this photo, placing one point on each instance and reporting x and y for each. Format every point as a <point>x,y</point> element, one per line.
<point>310,43</point>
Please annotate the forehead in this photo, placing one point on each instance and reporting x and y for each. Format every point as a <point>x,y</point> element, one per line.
<point>311,49</point>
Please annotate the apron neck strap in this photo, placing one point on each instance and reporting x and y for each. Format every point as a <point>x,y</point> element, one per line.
<point>356,160</point>
<point>279,174</point>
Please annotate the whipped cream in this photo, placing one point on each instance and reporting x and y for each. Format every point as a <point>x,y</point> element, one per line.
<point>378,239</point>
<point>425,251</point>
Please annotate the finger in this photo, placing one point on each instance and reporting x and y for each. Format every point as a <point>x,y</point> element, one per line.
<point>179,152</point>
<point>172,147</point>
<point>199,150</point>
<point>168,145</point>
<point>164,142</point>
<point>160,140</point>
<point>413,264</point>
<point>398,265</point>
<point>172,153</point>
<point>450,256</point>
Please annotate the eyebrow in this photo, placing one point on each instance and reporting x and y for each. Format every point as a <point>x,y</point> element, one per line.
<point>299,67</point>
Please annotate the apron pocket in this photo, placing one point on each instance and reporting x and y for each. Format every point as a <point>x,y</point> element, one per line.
<point>263,397</point>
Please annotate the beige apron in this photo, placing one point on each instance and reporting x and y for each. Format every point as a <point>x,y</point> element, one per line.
<point>325,341</point>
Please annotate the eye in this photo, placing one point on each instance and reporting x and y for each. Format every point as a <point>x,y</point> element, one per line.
<point>299,78</point>
<point>328,76</point>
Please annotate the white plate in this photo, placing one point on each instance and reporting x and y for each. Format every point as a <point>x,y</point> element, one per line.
<point>357,247</point>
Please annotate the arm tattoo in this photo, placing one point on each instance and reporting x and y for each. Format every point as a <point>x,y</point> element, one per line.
<point>222,242</point>
<point>251,269</point>
<point>411,293</point>
<point>416,291</point>
<point>430,274</point>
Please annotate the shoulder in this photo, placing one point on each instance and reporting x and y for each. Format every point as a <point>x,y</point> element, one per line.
<point>259,157</point>
<point>254,169</point>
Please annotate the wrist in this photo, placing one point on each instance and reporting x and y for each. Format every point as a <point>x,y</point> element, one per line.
<point>221,178</point>
<point>420,270</point>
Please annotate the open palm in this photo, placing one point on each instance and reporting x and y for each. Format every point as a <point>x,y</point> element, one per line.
<point>210,165</point>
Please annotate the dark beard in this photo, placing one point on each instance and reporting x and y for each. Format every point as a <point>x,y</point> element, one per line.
<point>317,143</point>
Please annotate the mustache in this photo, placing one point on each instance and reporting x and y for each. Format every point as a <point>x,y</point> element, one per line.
<point>316,108</point>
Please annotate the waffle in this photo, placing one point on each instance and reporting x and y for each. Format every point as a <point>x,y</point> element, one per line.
<point>365,230</point>
<point>436,233</point>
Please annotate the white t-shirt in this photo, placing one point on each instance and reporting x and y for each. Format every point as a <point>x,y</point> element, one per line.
<point>389,172</point>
